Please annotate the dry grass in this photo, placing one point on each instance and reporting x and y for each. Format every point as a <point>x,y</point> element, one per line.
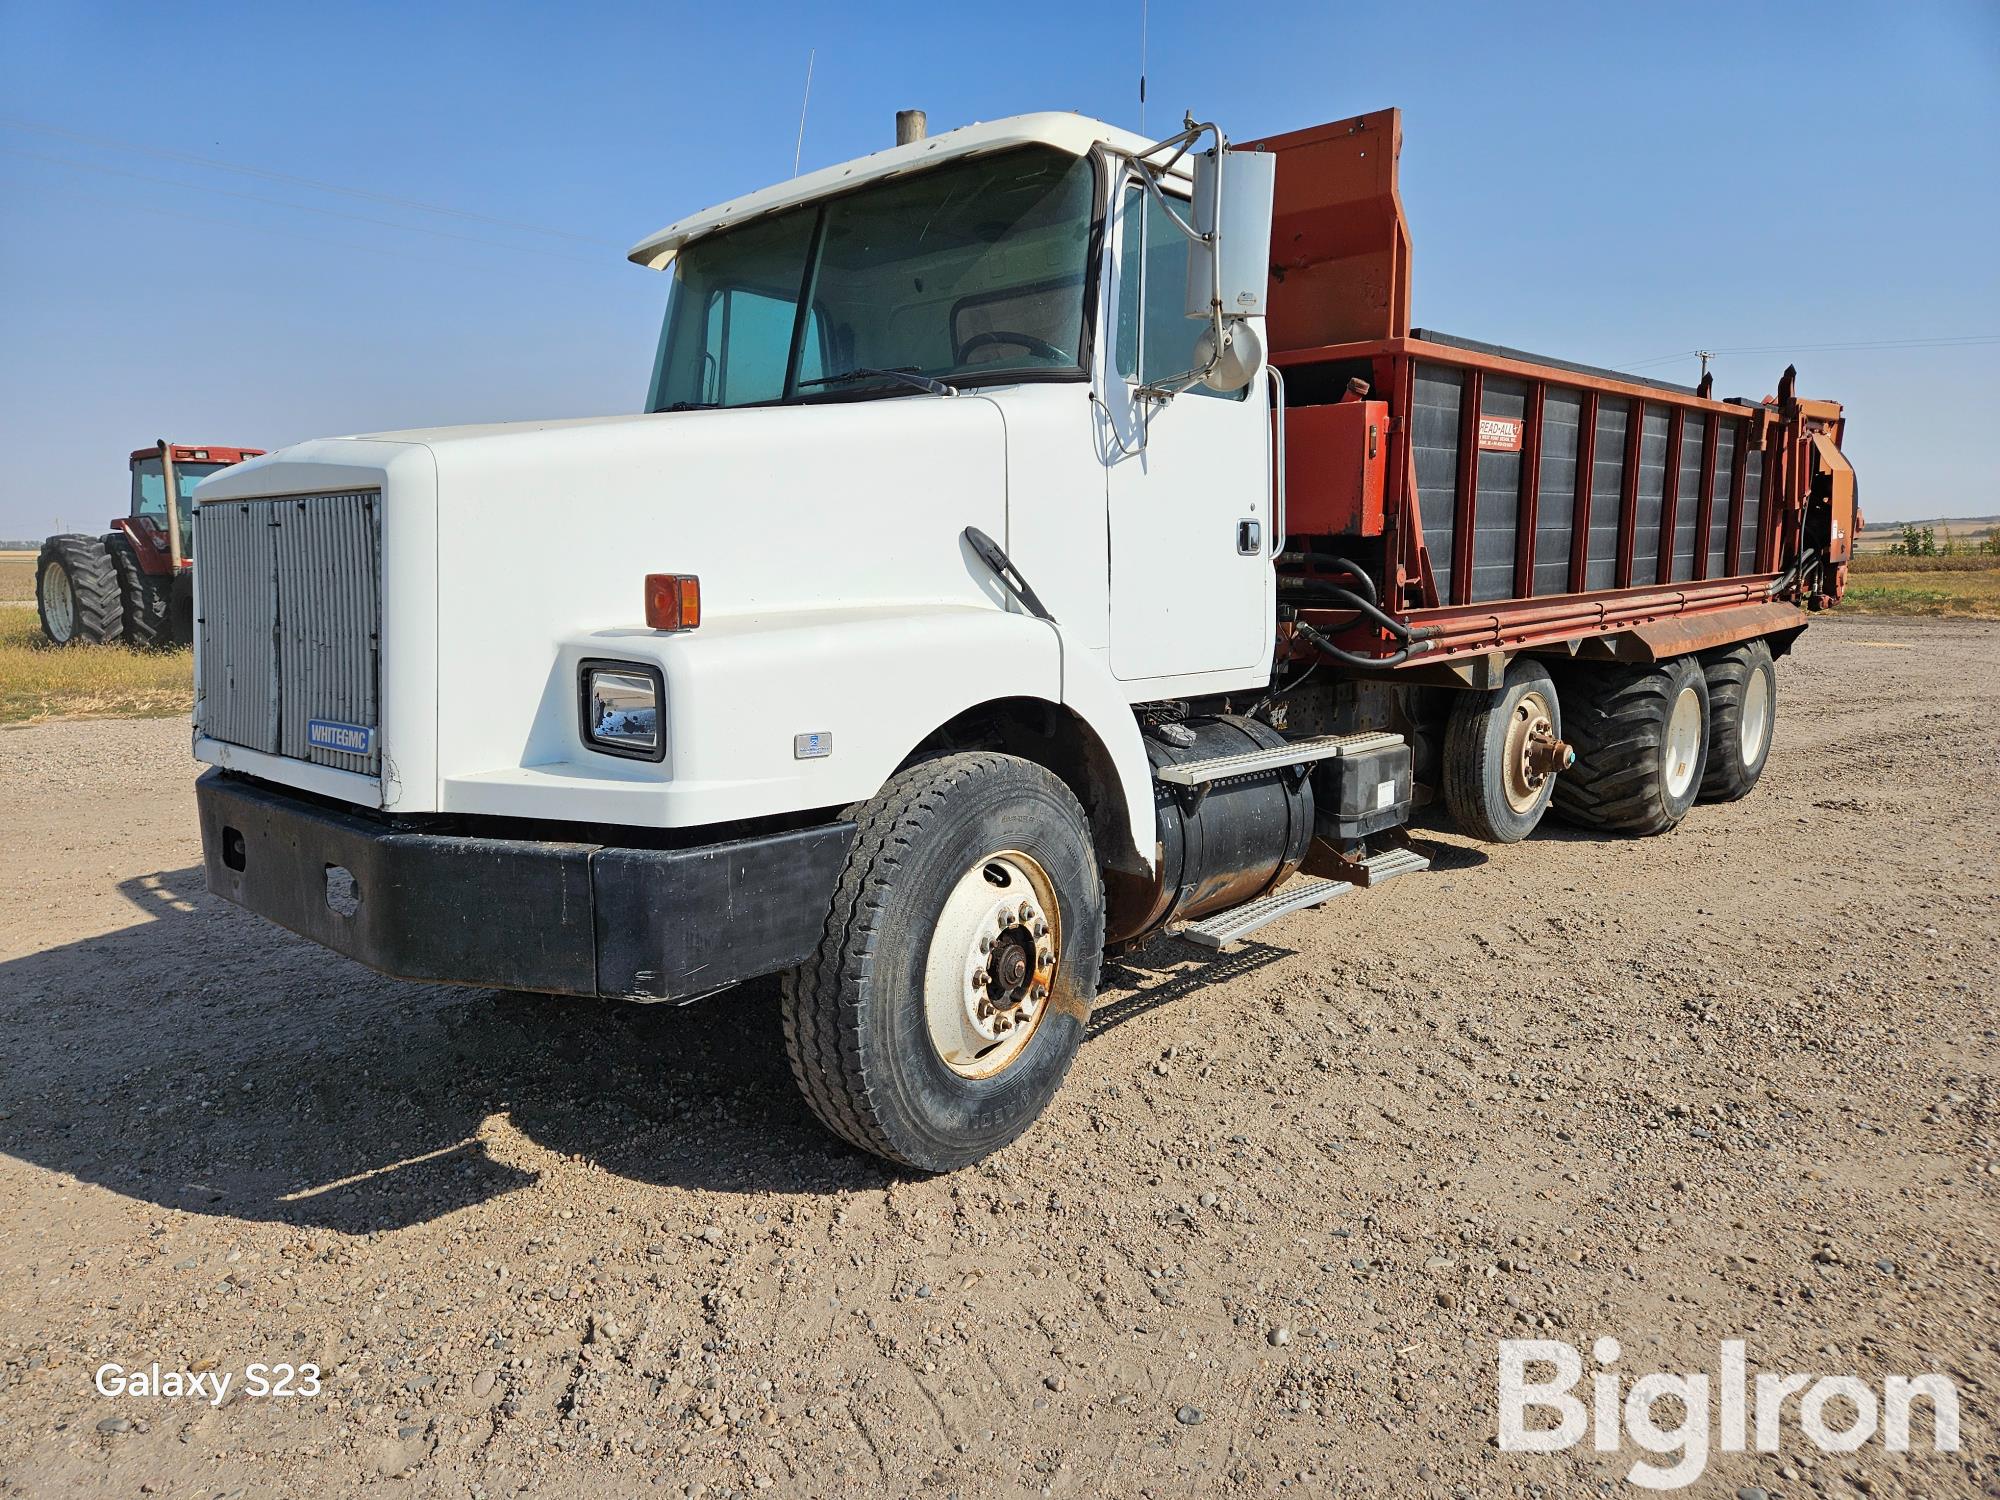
<point>39,681</point>
<point>1965,587</point>
<point>17,576</point>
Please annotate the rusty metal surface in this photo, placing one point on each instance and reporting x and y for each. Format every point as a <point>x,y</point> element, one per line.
<point>1340,245</point>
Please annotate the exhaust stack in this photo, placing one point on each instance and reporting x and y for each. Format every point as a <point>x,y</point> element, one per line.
<point>910,126</point>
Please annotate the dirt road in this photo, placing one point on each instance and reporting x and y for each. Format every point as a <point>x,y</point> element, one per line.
<point>1737,1082</point>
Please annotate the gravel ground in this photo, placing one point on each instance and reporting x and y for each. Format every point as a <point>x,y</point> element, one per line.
<point>1737,1082</point>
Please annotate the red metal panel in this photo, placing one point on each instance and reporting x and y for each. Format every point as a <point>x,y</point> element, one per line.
<point>1340,245</point>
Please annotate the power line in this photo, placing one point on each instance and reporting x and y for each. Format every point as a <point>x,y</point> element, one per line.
<point>308,208</point>
<point>292,234</point>
<point>1951,341</point>
<point>317,185</point>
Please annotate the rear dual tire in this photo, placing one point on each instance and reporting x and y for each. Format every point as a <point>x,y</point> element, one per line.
<point>972,867</point>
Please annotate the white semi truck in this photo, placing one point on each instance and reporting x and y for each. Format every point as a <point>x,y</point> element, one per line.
<point>940,622</point>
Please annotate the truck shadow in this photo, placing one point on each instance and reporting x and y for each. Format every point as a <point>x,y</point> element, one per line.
<point>206,1061</point>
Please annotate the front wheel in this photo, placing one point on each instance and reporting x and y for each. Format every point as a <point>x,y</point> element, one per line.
<point>953,982</point>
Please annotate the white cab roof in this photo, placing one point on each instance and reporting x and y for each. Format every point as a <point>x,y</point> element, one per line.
<point>1073,133</point>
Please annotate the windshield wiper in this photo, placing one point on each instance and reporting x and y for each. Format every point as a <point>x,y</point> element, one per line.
<point>906,374</point>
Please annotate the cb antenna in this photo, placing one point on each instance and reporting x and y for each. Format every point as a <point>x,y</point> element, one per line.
<point>1144,7</point>
<point>800,145</point>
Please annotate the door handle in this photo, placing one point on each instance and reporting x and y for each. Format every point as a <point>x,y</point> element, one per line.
<point>1249,538</point>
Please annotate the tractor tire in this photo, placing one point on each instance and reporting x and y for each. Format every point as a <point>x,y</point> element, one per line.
<point>76,592</point>
<point>1742,711</point>
<point>1640,735</point>
<point>1489,788</point>
<point>953,983</point>
<point>148,601</point>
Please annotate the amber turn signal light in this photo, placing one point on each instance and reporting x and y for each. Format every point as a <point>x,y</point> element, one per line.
<point>673,601</point>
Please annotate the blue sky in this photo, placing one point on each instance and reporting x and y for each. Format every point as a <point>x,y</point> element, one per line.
<point>1609,183</point>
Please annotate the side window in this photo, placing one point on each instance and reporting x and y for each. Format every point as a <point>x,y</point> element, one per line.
<point>746,338</point>
<point>1155,338</point>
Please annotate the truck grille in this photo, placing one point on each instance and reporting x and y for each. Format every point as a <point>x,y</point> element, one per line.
<point>291,623</point>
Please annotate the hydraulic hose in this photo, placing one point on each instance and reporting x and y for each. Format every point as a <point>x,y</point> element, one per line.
<point>1361,663</point>
<point>1343,598</point>
<point>1792,574</point>
<point>1353,570</point>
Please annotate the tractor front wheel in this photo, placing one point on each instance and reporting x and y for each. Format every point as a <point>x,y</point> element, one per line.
<point>76,592</point>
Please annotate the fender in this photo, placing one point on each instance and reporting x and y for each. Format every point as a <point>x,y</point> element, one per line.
<point>1090,692</point>
<point>870,682</point>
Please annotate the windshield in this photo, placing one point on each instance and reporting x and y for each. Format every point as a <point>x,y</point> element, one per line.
<point>968,272</point>
<point>149,492</point>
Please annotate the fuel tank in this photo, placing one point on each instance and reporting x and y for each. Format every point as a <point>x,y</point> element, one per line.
<point>1220,846</point>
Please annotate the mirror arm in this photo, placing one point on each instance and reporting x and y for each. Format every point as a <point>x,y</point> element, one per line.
<point>1183,142</point>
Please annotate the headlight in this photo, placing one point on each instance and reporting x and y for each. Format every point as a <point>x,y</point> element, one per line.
<point>622,705</point>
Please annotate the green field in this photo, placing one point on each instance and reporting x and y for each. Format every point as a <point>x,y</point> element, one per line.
<point>39,681</point>
<point>1966,586</point>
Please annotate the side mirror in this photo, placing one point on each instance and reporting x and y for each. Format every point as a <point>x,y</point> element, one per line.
<point>1232,201</point>
<point>1233,192</point>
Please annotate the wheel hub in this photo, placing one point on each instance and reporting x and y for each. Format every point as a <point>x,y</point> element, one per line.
<point>992,964</point>
<point>59,603</point>
<point>1533,753</point>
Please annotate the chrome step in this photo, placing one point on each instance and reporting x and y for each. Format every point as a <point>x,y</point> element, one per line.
<point>1225,927</point>
<point>1193,773</point>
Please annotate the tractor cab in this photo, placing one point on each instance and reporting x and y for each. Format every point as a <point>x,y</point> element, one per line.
<point>152,524</point>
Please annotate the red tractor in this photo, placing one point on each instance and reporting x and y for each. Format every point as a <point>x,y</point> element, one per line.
<point>136,584</point>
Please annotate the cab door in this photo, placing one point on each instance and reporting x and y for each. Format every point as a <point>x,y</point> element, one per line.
<point>1189,483</point>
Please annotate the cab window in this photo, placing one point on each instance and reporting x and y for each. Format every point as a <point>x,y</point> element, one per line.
<point>1156,339</point>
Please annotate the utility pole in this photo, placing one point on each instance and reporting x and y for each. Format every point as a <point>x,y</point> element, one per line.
<point>1705,356</point>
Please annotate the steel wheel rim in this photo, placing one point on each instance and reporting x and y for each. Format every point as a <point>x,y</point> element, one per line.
<point>58,602</point>
<point>1683,741</point>
<point>1528,725</point>
<point>1755,722</point>
<point>992,964</point>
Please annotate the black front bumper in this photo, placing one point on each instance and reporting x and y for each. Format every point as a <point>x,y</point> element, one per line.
<point>523,914</point>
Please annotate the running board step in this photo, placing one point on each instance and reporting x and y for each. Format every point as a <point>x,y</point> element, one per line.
<point>1198,773</point>
<point>1393,862</point>
<point>1225,927</point>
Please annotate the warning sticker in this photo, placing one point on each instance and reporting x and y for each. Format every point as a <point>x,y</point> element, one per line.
<point>1500,434</point>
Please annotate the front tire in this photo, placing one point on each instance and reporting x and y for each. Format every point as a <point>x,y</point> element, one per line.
<point>76,592</point>
<point>1641,736</point>
<point>1742,711</point>
<point>1498,749</point>
<point>952,985</point>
